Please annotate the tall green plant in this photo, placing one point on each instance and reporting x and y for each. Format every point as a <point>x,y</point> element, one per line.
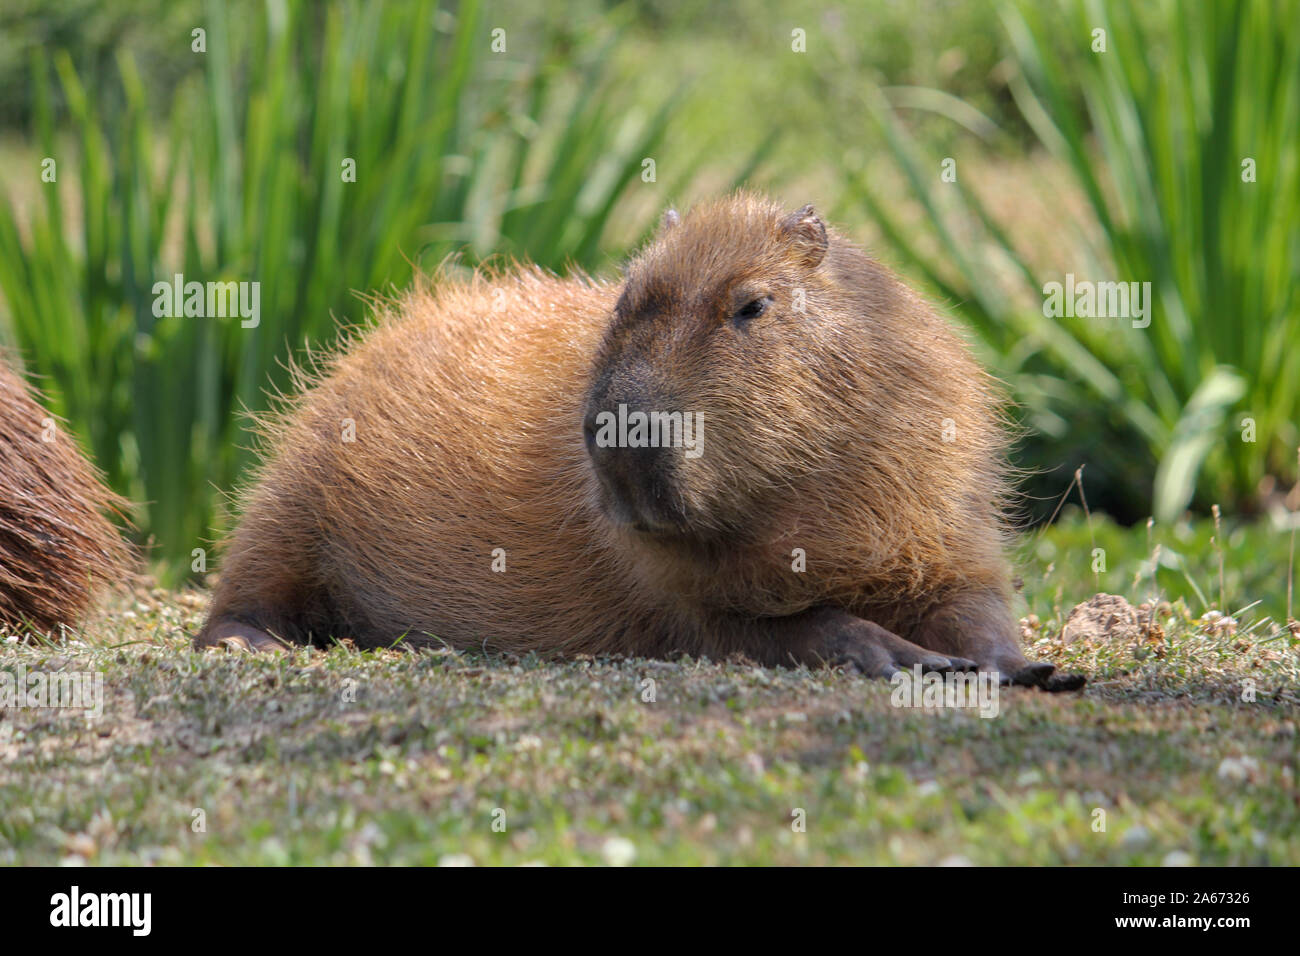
<point>454,148</point>
<point>1185,147</point>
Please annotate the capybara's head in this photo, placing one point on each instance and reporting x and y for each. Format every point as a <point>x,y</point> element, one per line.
<point>724,372</point>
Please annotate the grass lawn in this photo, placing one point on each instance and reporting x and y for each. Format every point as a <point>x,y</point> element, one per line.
<point>409,757</point>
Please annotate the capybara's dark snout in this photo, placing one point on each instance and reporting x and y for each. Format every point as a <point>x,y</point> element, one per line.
<point>636,470</point>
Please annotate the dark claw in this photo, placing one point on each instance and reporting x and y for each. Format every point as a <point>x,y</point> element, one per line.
<point>1064,682</point>
<point>1034,675</point>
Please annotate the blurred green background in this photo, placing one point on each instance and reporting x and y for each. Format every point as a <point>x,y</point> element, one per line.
<point>1170,157</point>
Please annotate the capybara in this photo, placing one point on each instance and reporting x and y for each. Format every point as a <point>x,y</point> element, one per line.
<point>58,549</point>
<point>827,485</point>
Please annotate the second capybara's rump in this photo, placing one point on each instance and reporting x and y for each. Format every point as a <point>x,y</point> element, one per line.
<point>59,550</point>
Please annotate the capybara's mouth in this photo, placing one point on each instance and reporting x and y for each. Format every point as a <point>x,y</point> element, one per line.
<point>658,530</point>
<point>644,521</point>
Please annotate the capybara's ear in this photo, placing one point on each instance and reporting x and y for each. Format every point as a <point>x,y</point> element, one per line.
<point>806,233</point>
<point>670,218</point>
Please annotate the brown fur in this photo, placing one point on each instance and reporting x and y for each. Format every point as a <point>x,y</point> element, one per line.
<point>57,548</point>
<point>824,430</point>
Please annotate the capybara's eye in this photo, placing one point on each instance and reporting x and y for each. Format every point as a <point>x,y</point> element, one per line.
<point>751,310</point>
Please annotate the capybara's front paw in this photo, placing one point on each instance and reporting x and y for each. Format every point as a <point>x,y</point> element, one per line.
<point>877,652</point>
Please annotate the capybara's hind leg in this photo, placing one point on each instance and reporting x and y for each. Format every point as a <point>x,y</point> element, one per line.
<point>979,625</point>
<point>270,580</point>
<point>236,635</point>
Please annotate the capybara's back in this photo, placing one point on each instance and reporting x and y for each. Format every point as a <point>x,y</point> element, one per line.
<point>759,441</point>
<point>58,548</point>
